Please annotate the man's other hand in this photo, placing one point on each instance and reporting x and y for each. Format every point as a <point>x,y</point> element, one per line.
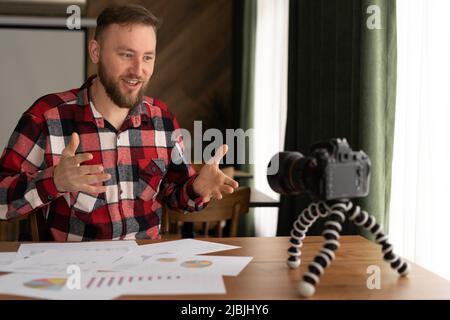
<point>211,182</point>
<point>71,176</point>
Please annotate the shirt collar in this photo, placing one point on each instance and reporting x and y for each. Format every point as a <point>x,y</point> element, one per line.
<point>90,114</point>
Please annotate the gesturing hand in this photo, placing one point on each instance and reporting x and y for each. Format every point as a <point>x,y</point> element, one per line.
<point>211,181</point>
<point>69,176</point>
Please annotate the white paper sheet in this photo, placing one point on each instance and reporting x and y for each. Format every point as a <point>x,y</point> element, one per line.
<point>30,249</point>
<point>101,286</point>
<point>184,247</point>
<point>117,256</point>
<point>196,264</point>
<point>44,286</point>
<point>7,258</point>
<point>127,262</point>
<point>150,283</point>
<point>58,261</point>
<point>136,259</point>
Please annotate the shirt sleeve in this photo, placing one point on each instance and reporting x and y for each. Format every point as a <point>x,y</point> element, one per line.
<point>26,183</point>
<point>177,186</point>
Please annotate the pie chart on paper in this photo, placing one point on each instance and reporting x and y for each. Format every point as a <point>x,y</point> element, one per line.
<point>53,284</point>
<point>196,264</point>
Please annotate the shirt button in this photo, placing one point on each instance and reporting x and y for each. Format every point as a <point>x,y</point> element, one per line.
<point>50,198</point>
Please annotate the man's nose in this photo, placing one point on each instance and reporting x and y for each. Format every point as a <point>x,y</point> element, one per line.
<point>137,67</point>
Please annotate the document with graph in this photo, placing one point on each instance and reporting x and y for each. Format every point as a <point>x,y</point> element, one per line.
<point>183,246</point>
<point>189,264</point>
<point>57,262</point>
<point>101,286</point>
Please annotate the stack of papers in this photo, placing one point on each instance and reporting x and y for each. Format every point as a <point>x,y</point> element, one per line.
<point>105,270</point>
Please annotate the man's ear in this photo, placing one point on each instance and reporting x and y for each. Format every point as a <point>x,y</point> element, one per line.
<point>94,51</point>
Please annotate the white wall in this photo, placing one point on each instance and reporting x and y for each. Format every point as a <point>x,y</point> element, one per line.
<point>35,62</point>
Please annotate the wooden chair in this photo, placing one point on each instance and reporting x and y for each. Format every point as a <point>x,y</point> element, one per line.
<point>229,208</point>
<point>10,230</point>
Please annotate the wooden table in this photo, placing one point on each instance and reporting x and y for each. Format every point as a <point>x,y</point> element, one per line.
<point>268,278</point>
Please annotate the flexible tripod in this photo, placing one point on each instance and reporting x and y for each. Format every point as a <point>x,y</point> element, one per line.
<point>336,212</point>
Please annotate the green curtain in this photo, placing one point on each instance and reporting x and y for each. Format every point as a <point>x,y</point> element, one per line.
<point>342,83</point>
<point>244,54</point>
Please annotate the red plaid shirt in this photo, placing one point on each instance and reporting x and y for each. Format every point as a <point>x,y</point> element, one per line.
<point>138,157</point>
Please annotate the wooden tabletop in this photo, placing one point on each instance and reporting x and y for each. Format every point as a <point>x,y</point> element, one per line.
<point>268,278</point>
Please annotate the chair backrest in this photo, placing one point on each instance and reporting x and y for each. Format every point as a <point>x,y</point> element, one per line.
<point>9,230</point>
<point>12,230</point>
<point>230,207</point>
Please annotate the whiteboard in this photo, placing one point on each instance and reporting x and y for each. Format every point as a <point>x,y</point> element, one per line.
<point>33,63</point>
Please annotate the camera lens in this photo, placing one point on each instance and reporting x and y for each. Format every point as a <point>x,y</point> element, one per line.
<point>330,171</point>
<point>284,173</point>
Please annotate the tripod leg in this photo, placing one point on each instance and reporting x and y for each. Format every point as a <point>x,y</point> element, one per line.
<point>362,219</point>
<point>304,221</point>
<point>323,259</point>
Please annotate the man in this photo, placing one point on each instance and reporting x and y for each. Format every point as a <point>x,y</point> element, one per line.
<point>100,160</point>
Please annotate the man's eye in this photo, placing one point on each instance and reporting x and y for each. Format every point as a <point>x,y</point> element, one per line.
<point>148,58</point>
<point>126,55</point>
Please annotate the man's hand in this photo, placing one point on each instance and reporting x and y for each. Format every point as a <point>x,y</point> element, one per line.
<point>211,181</point>
<point>69,176</point>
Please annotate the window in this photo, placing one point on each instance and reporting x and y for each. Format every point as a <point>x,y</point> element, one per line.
<point>270,100</point>
<point>419,214</point>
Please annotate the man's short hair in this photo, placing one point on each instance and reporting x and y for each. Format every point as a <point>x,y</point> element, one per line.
<point>125,15</point>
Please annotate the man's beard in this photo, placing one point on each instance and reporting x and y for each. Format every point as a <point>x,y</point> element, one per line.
<point>113,90</point>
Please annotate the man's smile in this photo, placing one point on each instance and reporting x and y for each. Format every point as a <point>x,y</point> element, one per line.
<point>132,84</point>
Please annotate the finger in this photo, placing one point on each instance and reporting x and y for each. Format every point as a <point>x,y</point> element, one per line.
<point>92,189</point>
<point>93,178</point>
<point>206,196</point>
<point>226,189</point>
<point>217,195</point>
<point>71,148</point>
<point>232,183</point>
<point>82,170</point>
<point>220,152</point>
<point>82,157</point>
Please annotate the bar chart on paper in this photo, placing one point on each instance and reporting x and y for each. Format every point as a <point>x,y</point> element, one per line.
<point>99,282</point>
<point>158,283</point>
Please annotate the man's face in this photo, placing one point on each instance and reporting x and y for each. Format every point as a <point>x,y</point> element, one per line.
<point>126,62</point>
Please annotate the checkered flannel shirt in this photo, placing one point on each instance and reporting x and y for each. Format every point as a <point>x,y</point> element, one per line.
<point>140,158</point>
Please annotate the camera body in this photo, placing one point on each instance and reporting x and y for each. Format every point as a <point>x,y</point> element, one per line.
<point>331,171</point>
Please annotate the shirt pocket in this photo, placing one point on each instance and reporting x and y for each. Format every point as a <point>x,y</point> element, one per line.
<point>151,175</point>
<point>86,203</point>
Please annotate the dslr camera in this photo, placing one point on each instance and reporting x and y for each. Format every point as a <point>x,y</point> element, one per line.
<point>331,171</point>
